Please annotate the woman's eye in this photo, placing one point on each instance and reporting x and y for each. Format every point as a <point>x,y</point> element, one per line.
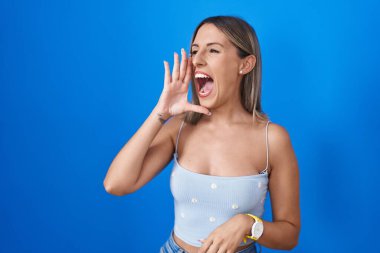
<point>214,51</point>
<point>193,52</point>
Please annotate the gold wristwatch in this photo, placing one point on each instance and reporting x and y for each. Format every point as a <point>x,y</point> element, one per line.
<point>257,228</point>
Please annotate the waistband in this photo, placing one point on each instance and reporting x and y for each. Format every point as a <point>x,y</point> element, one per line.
<point>171,246</point>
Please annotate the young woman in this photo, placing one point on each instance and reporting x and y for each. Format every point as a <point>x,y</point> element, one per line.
<point>227,154</point>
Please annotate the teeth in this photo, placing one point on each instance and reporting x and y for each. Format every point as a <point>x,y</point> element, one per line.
<point>199,75</point>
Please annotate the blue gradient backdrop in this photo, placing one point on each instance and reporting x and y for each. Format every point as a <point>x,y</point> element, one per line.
<point>78,78</point>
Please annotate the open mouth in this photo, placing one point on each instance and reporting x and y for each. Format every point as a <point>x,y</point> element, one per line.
<point>204,84</point>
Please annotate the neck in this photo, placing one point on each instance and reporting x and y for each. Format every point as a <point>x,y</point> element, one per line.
<point>229,113</point>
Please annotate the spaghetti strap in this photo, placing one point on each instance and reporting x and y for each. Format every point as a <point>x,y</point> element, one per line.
<point>267,147</point>
<point>176,144</point>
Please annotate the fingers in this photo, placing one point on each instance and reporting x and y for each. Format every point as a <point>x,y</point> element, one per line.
<point>223,249</point>
<point>176,67</point>
<point>197,108</point>
<point>213,248</point>
<point>183,65</point>
<point>181,72</point>
<point>188,72</point>
<point>167,73</point>
<point>205,247</point>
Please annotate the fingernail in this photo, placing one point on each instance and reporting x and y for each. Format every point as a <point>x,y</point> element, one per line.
<point>182,50</point>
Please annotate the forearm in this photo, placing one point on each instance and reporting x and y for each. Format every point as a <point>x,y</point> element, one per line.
<point>277,235</point>
<point>126,166</point>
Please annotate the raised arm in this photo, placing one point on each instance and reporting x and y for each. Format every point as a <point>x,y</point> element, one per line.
<point>150,149</point>
<point>141,158</point>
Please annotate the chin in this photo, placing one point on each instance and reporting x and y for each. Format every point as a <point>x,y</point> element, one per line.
<point>208,103</point>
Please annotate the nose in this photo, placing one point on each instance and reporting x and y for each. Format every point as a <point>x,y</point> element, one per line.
<point>198,59</point>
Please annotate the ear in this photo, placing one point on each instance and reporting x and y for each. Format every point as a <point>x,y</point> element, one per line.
<point>248,63</point>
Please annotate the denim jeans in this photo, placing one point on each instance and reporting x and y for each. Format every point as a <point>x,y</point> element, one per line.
<point>170,246</point>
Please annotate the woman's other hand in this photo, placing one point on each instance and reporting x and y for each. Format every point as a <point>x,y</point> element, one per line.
<point>173,99</point>
<point>228,236</point>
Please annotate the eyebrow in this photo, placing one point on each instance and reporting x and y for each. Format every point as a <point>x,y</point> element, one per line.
<point>209,44</point>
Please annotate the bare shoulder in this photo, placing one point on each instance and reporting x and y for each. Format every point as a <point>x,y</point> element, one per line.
<point>280,145</point>
<point>278,135</point>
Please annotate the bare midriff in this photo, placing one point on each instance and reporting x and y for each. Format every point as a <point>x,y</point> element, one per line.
<point>192,249</point>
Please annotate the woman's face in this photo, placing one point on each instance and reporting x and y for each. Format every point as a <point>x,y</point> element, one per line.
<point>215,57</point>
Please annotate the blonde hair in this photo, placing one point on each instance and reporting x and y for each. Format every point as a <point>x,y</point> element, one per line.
<point>243,36</point>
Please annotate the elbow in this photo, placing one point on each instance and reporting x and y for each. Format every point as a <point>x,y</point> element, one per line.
<point>116,190</point>
<point>294,241</point>
<point>292,245</point>
<point>111,190</point>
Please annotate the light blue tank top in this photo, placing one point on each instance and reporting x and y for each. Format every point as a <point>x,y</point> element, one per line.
<point>204,202</point>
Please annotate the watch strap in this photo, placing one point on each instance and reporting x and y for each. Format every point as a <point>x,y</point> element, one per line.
<point>257,219</point>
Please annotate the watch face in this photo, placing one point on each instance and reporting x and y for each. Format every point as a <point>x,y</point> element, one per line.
<point>258,229</point>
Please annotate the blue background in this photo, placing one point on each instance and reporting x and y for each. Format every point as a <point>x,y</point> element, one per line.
<point>78,78</point>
